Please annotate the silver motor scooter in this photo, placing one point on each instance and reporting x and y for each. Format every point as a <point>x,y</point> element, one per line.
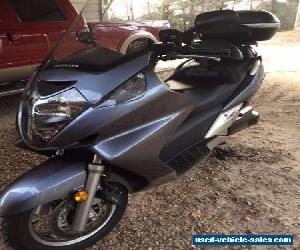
<point>112,127</point>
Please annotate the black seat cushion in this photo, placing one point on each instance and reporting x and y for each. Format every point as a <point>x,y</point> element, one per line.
<point>209,86</point>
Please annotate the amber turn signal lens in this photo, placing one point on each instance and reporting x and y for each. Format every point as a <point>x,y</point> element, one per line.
<point>81,196</point>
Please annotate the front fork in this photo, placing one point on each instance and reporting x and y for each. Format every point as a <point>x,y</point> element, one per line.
<point>95,170</point>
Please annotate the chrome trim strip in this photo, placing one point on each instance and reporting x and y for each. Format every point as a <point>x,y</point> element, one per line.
<point>262,25</point>
<point>223,122</point>
<point>11,92</point>
<point>246,110</point>
<point>255,67</point>
<point>214,58</point>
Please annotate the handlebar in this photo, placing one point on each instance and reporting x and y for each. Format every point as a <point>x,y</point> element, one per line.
<point>171,51</point>
<point>182,56</point>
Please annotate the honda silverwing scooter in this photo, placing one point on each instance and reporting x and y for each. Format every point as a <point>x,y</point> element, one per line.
<point>113,127</point>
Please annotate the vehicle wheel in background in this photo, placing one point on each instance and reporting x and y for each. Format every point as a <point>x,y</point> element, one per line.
<point>138,46</point>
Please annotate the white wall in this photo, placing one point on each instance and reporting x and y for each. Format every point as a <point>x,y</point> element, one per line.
<point>91,13</point>
<point>297,22</point>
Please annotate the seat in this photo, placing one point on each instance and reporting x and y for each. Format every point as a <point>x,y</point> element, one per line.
<point>210,85</point>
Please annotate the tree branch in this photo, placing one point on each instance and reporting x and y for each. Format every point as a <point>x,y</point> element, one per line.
<point>107,7</point>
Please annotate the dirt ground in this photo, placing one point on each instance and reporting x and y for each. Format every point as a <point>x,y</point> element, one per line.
<point>258,193</point>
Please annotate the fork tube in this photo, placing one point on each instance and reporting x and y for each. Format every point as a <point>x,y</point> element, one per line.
<point>95,170</point>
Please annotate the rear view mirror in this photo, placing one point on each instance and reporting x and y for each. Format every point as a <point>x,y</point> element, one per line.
<point>219,19</point>
<point>170,36</point>
<point>86,37</point>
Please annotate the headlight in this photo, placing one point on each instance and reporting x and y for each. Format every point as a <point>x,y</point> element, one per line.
<point>128,91</point>
<point>47,117</point>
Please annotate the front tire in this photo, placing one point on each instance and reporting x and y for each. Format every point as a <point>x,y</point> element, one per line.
<point>19,233</point>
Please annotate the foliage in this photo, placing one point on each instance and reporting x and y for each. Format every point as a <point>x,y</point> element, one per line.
<point>181,13</point>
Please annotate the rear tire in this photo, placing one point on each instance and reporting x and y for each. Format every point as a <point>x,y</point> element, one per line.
<point>138,45</point>
<point>19,234</point>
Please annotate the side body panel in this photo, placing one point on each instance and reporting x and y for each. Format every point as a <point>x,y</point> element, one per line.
<point>137,143</point>
<point>14,58</point>
<point>247,89</point>
<point>23,45</point>
<point>41,37</point>
<point>112,34</point>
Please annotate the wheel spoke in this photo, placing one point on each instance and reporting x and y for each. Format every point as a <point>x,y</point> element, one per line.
<point>56,225</point>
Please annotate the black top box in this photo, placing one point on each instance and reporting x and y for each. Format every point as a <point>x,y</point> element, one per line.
<point>237,26</point>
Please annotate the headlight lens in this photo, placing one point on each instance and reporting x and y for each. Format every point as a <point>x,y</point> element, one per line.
<point>47,117</point>
<point>128,91</point>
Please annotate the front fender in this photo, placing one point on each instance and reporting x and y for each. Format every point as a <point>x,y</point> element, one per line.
<point>56,178</point>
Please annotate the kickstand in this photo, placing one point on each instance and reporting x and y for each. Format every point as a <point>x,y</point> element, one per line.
<point>221,154</point>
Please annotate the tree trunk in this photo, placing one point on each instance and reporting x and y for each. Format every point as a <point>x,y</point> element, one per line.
<point>297,21</point>
<point>101,10</point>
<point>274,6</point>
<point>166,10</point>
<point>131,10</point>
<point>149,10</point>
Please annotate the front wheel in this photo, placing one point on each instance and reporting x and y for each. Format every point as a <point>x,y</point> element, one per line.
<point>49,227</point>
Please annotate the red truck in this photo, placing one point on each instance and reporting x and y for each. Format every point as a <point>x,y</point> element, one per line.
<point>30,28</point>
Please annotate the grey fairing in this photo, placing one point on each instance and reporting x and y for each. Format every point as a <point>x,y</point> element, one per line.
<point>96,85</point>
<point>130,135</point>
<point>136,143</point>
<point>54,179</point>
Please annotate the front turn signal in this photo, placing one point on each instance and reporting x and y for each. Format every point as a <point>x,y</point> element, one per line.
<point>81,196</point>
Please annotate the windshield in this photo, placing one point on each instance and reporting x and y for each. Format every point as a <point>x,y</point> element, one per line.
<point>104,34</point>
